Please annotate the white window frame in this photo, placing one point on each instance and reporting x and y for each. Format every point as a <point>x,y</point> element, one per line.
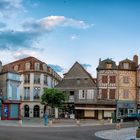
<point>81,93</point>
<point>90,94</point>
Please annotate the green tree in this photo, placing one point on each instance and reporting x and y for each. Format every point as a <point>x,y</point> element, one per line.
<point>53,98</point>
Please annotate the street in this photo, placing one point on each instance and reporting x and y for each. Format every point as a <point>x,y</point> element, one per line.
<point>52,133</point>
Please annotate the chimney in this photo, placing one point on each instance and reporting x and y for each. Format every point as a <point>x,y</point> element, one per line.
<point>135,60</point>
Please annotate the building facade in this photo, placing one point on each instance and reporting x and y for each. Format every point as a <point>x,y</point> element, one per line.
<point>107,88</point>
<point>127,87</point>
<point>35,75</point>
<point>9,96</point>
<point>80,89</point>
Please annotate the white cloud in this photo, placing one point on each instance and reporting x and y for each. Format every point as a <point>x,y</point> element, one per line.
<point>53,21</point>
<point>74,37</point>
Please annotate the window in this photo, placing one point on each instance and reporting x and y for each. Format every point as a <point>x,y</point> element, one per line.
<point>36,92</point>
<point>104,94</point>
<point>112,94</point>
<point>130,111</point>
<point>36,78</point>
<point>90,94</point>
<point>27,66</point>
<point>126,65</point>
<point>14,92</point>
<point>37,66</point>
<point>112,79</point>
<point>82,94</point>
<point>45,80</point>
<point>16,67</point>
<point>126,79</point>
<point>44,67</point>
<point>78,81</point>
<point>27,78</point>
<point>126,94</point>
<point>26,93</point>
<point>104,79</point>
<point>108,65</point>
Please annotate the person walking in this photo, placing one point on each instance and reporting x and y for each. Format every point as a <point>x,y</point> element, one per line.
<point>46,119</point>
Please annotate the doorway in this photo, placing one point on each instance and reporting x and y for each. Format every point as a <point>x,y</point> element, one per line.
<point>26,111</point>
<point>36,111</point>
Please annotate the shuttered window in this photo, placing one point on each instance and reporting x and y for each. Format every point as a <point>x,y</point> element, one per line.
<point>104,79</point>
<point>112,94</point>
<point>104,94</point>
<point>112,79</point>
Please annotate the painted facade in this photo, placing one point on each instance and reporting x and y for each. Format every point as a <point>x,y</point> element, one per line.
<point>35,75</point>
<point>10,96</point>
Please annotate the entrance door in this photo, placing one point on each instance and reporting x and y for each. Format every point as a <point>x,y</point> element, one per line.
<point>36,111</point>
<point>100,114</point>
<point>26,111</point>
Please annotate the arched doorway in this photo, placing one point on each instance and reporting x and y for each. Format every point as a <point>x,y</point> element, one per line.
<point>36,111</point>
<point>26,111</point>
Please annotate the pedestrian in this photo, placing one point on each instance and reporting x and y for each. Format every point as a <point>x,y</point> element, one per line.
<point>46,118</point>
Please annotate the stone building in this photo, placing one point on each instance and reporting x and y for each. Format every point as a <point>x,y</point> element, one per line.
<point>107,88</point>
<point>80,89</point>
<point>35,75</point>
<point>126,102</point>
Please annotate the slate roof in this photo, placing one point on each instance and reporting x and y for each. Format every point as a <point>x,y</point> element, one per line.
<point>102,64</point>
<point>77,72</point>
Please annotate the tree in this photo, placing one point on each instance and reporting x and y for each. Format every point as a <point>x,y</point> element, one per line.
<point>53,98</point>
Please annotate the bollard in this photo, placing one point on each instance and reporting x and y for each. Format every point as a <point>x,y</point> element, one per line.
<point>20,123</point>
<point>50,122</point>
<point>118,126</point>
<point>78,122</point>
<point>138,132</point>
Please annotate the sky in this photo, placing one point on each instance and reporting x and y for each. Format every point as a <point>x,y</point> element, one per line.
<point>60,32</point>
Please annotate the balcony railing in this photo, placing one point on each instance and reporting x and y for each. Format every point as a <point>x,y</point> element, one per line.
<point>27,98</point>
<point>36,97</point>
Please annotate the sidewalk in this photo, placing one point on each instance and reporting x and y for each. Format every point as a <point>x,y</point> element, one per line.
<point>122,134</point>
<point>37,122</point>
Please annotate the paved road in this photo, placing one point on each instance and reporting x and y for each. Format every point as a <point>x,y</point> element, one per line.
<point>48,133</point>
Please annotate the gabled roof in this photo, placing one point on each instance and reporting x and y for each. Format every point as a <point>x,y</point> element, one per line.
<point>76,72</point>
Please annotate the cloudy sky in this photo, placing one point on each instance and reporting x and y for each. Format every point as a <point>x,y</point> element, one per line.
<point>60,32</point>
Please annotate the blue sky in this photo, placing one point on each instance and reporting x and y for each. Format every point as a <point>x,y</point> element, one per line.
<point>60,32</point>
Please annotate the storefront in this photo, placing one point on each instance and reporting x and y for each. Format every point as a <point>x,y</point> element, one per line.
<point>11,111</point>
<point>125,107</point>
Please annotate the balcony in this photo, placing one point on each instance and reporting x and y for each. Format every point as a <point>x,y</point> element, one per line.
<point>27,98</point>
<point>36,97</point>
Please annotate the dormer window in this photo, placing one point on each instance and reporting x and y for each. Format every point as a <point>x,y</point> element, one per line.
<point>16,67</point>
<point>37,66</point>
<point>126,65</point>
<point>27,66</point>
<point>108,65</point>
<point>44,67</point>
